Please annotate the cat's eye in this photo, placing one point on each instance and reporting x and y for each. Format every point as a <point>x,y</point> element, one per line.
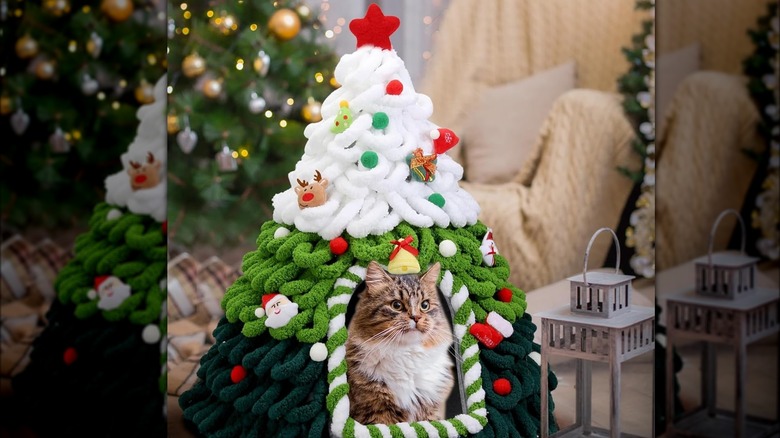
<point>425,305</point>
<point>396,305</point>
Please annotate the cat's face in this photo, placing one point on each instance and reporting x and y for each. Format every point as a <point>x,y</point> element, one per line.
<point>401,309</point>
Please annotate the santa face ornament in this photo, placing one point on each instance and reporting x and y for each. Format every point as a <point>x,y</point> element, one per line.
<point>279,310</point>
<point>110,292</point>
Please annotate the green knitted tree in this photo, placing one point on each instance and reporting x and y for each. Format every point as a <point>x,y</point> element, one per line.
<point>374,184</point>
<point>102,346</point>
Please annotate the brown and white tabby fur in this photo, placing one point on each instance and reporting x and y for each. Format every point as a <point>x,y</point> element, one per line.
<point>398,365</point>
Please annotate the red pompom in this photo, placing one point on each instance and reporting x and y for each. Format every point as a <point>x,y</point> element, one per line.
<point>70,355</point>
<point>502,386</point>
<point>165,227</point>
<point>394,87</point>
<point>504,295</point>
<point>338,246</point>
<point>237,374</point>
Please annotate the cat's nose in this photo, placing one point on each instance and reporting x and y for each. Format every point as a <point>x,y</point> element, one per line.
<point>416,318</point>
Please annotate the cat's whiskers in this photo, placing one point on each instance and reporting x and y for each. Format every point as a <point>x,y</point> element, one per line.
<point>381,333</point>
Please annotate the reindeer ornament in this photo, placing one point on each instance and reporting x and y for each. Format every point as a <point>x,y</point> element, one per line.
<point>312,195</point>
<point>144,176</point>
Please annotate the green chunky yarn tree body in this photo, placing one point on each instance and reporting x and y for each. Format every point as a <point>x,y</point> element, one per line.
<point>102,358</point>
<point>286,393</point>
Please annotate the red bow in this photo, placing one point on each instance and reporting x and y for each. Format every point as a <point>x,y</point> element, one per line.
<point>405,243</point>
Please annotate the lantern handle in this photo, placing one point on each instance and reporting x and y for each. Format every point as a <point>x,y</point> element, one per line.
<point>587,252</point>
<point>715,228</point>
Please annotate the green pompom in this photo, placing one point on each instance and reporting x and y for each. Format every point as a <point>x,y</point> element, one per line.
<point>437,200</point>
<point>369,159</point>
<point>380,120</point>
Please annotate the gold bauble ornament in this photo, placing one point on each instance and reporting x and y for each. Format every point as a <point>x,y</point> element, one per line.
<point>56,8</point>
<point>193,65</point>
<point>26,47</point>
<point>117,10</point>
<point>144,93</point>
<point>285,24</point>
<point>173,123</point>
<point>312,111</point>
<point>5,105</point>
<point>212,88</point>
<point>45,69</point>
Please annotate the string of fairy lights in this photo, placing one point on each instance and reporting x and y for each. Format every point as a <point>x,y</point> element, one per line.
<point>285,24</point>
<point>45,65</point>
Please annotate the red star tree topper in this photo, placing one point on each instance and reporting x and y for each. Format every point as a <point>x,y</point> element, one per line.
<point>375,28</point>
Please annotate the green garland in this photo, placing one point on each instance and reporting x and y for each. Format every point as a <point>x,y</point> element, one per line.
<point>761,67</point>
<point>638,88</point>
<point>131,247</point>
<point>301,266</point>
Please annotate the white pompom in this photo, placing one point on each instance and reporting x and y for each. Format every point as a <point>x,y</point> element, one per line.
<point>259,312</point>
<point>151,334</point>
<point>281,232</point>
<point>447,248</point>
<point>536,357</point>
<point>92,294</point>
<point>318,352</point>
<point>435,134</point>
<point>113,214</point>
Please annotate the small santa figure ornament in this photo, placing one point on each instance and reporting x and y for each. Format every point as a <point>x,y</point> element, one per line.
<point>278,308</point>
<point>110,291</point>
<point>488,248</point>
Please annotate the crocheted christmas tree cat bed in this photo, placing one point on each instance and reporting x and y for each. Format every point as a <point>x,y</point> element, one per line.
<point>374,184</point>
<point>98,368</point>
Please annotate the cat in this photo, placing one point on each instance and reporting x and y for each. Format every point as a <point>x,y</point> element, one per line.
<point>398,364</point>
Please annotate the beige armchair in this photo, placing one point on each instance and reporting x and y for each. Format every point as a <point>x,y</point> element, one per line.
<point>569,185</point>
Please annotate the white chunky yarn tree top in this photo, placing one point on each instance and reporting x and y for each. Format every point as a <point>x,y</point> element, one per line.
<point>151,136</point>
<point>366,201</point>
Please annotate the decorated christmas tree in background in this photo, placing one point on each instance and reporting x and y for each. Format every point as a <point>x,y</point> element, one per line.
<point>104,342</point>
<point>72,78</point>
<point>375,183</point>
<point>244,79</point>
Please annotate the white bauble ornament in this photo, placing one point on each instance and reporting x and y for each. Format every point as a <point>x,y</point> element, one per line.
<point>281,232</point>
<point>113,214</point>
<point>259,312</point>
<point>58,142</point>
<point>89,85</point>
<point>187,139</point>
<point>20,121</point>
<point>256,103</point>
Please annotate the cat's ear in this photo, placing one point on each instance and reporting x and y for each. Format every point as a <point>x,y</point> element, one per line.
<point>428,280</point>
<point>376,277</point>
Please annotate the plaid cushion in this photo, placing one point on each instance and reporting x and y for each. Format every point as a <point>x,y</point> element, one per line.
<point>184,300</point>
<point>214,278</point>
<point>182,375</point>
<point>49,259</point>
<point>18,256</point>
